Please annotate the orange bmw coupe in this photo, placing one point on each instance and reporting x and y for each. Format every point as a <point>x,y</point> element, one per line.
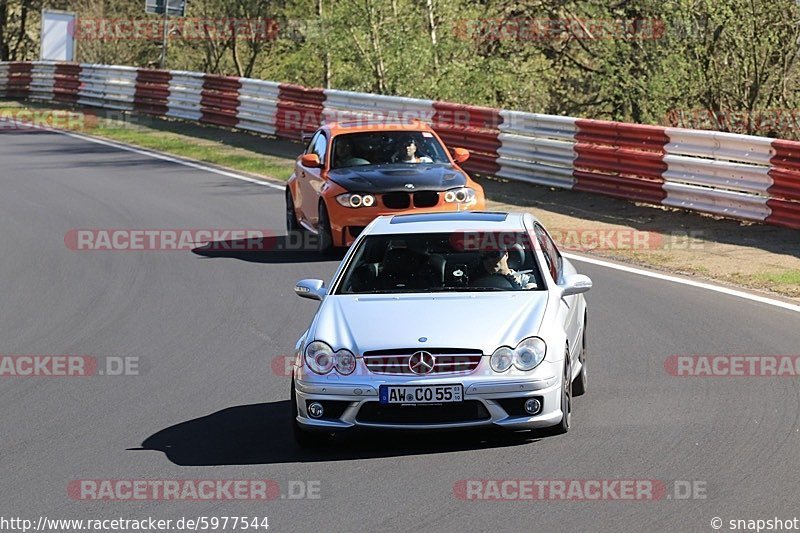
<point>350,173</point>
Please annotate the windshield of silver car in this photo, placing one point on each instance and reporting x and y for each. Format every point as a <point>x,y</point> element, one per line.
<point>475,261</point>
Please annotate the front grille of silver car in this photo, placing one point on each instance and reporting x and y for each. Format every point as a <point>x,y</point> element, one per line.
<point>447,360</point>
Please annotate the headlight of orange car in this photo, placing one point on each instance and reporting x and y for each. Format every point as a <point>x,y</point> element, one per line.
<point>356,200</point>
<point>462,195</point>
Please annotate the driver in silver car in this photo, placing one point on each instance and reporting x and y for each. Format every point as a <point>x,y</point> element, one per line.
<point>495,262</point>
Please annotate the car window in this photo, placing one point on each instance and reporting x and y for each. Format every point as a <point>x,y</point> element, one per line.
<point>551,253</point>
<point>320,146</point>
<point>387,147</point>
<point>442,262</point>
<point>310,147</point>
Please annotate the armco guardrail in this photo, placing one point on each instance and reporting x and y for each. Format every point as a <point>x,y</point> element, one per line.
<point>737,176</point>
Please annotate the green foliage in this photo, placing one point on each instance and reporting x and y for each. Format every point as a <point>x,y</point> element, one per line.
<point>723,64</point>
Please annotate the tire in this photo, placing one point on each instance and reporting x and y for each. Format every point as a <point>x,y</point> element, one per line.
<point>303,438</point>
<point>292,225</point>
<point>581,381</point>
<point>324,232</point>
<point>566,400</point>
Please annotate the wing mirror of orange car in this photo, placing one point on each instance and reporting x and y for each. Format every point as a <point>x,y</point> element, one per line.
<point>310,161</point>
<point>460,154</point>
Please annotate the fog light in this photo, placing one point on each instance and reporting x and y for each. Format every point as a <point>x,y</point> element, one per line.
<point>532,406</point>
<point>315,410</point>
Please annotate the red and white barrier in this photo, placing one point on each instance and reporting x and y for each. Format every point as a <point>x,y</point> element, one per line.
<point>42,81</point>
<point>3,79</point>
<point>299,110</point>
<point>185,94</point>
<point>739,176</point>
<point>621,160</point>
<point>18,80</point>
<point>537,148</point>
<point>66,83</point>
<point>719,173</point>
<point>784,192</point>
<point>220,100</point>
<point>152,92</point>
<point>258,106</point>
<point>362,108</point>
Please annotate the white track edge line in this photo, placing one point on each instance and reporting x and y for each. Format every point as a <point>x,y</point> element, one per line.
<point>164,157</point>
<point>689,282</point>
<point>158,155</point>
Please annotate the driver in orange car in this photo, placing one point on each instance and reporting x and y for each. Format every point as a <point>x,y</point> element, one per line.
<point>408,153</point>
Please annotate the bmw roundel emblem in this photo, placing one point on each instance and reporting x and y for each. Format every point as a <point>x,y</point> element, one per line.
<point>409,185</point>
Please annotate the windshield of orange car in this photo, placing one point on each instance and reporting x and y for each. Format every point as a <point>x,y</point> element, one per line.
<point>442,262</point>
<point>385,148</point>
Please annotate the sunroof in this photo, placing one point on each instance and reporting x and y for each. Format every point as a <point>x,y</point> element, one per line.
<point>463,216</point>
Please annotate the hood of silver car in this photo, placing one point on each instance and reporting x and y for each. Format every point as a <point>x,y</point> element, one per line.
<point>483,321</point>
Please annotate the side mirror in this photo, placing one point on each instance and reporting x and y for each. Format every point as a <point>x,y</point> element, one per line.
<point>460,154</point>
<point>310,161</point>
<point>575,284</point>
<point>313,289</point>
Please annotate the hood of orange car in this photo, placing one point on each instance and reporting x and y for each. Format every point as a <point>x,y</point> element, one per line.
<point>398,177</point>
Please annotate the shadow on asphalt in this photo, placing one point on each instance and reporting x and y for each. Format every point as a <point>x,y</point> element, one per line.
<point>270,249</point>
<point>262,434</point>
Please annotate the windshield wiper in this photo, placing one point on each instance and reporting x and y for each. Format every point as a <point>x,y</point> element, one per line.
<point>385,291</point>
<point>465,289</point>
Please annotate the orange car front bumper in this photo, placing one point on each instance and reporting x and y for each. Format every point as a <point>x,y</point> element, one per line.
<point>348,222</point>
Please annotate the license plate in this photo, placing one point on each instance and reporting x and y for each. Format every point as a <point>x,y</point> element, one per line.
<point>420,394</point>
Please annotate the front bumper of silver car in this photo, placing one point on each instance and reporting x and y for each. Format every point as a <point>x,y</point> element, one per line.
<point>485,403</point>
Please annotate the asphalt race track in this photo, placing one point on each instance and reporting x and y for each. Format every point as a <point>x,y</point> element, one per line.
<point>207,403</point>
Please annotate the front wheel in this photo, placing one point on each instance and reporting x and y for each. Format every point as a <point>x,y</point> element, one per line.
<point>581,382</point>
<point>292,225</point>
<point>566,399</point>
<point>324,232</point>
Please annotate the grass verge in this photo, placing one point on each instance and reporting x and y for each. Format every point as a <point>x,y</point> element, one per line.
<point>209,145</point>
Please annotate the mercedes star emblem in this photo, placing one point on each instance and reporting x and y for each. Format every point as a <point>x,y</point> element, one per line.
<point>421,363</point>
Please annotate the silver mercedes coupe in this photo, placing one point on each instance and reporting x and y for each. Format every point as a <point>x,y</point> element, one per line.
<point>441,321</point>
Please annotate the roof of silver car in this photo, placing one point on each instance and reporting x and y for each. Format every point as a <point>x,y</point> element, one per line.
<point>447,222</point>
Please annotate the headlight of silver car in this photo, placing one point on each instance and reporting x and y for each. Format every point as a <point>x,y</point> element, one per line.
<point>345,362</point>
<point>526,356</point>
<point>356,200</point>
<point>321,359</point>
<point>501,359</point>
<point>529,353</point>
